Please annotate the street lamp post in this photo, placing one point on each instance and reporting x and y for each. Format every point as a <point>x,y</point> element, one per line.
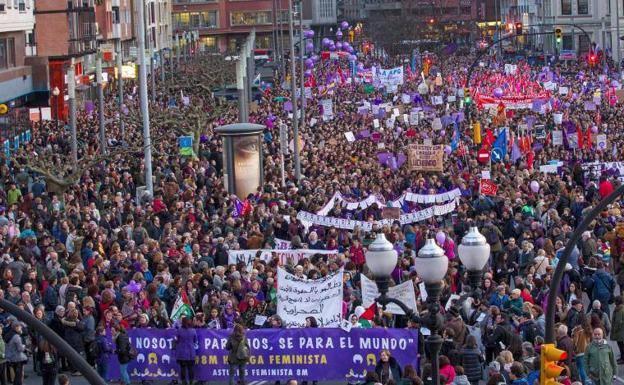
<point>474,252</point>
<point>431,265</point>
<point>56,92</point>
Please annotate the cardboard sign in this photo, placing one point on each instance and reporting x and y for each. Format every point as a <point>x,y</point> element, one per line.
<point>423,157</point>
<point>391,213</point>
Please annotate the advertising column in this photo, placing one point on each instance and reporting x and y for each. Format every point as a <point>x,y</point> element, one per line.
<point>242,155</point>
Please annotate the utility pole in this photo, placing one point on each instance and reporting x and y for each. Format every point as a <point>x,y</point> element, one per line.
<point>152,76</point>
<point>302,53</point>
<point>100,95</point>
<point>293,86</point>
<point>120,85</point>
<point>71,91</point>
<point>274,6</point>
<point>147,140</point>
<point>251,64</point>
<point>241,69</point>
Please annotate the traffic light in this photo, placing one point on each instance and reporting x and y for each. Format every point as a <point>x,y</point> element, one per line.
<point>549,370</point>
<point>467,96</point>
<point>519,28</point>
<point>558,35</point>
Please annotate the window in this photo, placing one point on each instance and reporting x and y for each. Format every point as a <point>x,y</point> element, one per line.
<point>22,6</point>
<point>567,42</point>
<point>7,53</point>
<point>583,7</point>
<point>566,7</point>
<point>209,19</point>
<point>239,18</point>
<point>2,6</point>
<point>263,42</point>
<point>209,43</point>
<point>584,43</point>
<point>115,16</point>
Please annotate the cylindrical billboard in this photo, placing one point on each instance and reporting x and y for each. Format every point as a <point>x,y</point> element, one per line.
<point>247,169</point>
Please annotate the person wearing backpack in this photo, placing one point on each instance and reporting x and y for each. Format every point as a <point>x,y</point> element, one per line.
<point>125,353</point>
<point>238,353</point>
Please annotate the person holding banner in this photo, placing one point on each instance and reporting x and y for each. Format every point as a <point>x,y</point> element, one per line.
<point>238,353</point>
<point>185,342</point>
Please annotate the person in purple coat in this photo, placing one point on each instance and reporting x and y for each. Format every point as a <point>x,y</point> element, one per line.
<point>185,343</point>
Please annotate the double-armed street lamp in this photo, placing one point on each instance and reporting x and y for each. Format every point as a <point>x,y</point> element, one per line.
<point>431,266</point>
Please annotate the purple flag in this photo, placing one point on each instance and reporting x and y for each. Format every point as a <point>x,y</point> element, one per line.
<point>288,106</point>
<point>238,208</point>
<point>515,152</point>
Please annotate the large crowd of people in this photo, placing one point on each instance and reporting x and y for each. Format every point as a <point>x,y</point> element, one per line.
<point>91,260</point>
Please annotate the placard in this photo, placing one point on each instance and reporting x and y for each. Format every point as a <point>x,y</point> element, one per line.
<point>299,298</point>
<point>557,137</point>
<point>403,292</point>
<point>425,157</point>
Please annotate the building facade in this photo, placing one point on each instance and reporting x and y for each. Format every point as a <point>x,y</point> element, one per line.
<point>17,22</point>
<point>597,21</point>
<point>66,35</point>
<point>224,24</point>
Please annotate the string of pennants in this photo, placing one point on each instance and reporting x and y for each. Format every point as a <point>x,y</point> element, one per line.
<point>372,199</point>
<point>308,219</point>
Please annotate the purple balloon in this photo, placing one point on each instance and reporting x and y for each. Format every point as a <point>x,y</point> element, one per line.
<point>594,129</point>
<point>308,73</point>
<point>442,132</point>
<point>339,35</point>
<point>360,66</point>
<point>309,34</point>
<point>498,92</point>
<point>326,42</point>
<point>352,57</point>
<point>448,150</point>
<point>332,48</point>
<point>339,45</point>
<point>349,49</point>
<point>309,63</point>
<point>309,46</point>
<point>315,58</point>
<point>344,25</point>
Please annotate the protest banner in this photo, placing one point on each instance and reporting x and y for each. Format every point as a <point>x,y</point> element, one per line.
<point>487,187</point>
<point>403,292</point>
<point>390,77</point>
<point>391,212</point>
<point>593,170</point>
<point>328,108</point>
<point>601,142</point>
<point>425,157</point>
<point>299,298</point>
<point>248,256</point>
<point>557,137</point>
<point>282,244</point>
<point>329,354</point>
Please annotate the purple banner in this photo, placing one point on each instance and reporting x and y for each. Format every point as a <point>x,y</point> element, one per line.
<point>276,354</point>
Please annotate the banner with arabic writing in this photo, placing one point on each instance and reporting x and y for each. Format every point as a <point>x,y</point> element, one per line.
<point>300,298</point>
<point>276,354</point>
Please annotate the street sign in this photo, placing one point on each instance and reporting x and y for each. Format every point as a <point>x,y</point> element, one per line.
<point>483,156</point>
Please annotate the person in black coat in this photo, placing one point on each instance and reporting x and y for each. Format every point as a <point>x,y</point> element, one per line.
<point>472,360</point>
<point>48,362</point>
<point>387,368</point>
<point>123,353</point>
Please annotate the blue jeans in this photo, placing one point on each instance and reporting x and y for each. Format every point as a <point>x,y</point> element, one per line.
<point>123,371</point>
<point>102,369</point>
<point>580,366</point>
